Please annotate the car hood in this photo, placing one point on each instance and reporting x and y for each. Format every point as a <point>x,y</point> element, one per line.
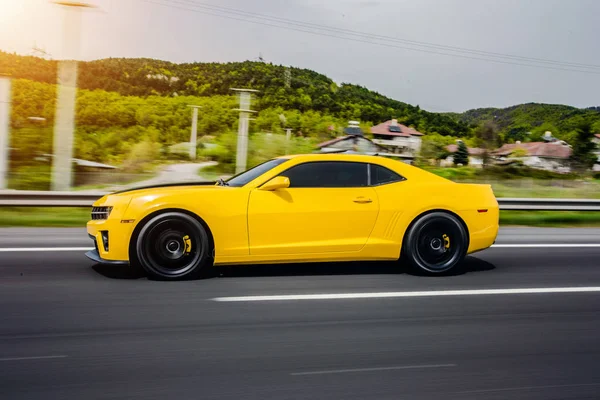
<point>176,185</point>
<point>125,196</point>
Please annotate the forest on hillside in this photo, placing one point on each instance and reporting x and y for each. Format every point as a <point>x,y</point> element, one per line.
<point>515,122</point>
<point>280,87</point>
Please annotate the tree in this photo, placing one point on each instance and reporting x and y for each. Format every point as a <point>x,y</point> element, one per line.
<point>433,147</point>
<point>518,133</point>
<point>431,150</point>
<point>486,138</point>
<point>462,154</point>
<point>583,156</point>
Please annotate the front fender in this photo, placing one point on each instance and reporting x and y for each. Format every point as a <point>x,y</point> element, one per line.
<point>224,212</point>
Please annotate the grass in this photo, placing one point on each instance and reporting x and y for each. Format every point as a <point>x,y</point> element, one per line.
<point>78,217</point>
<point>44,216</point>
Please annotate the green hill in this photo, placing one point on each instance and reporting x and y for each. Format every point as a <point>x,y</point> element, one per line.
<point>514,122</point>
<point>290,89</point>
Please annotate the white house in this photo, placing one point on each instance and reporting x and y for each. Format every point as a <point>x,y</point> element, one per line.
<point>353,141</point>
<point>400,139</point>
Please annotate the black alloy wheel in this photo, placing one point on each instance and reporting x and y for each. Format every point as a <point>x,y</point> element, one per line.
<point>173,246</point>
<point>437,243</point>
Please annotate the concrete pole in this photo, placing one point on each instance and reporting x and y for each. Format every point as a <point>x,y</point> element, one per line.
<point>242,139</point>
<point>194,135</point>
<point>4,129</point>
<point>288,137</point>
<point>64,126</point>
<point>242,144</point>
<point>64,121</point>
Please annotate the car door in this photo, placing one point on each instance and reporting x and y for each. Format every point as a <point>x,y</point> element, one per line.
<point>328,207</point>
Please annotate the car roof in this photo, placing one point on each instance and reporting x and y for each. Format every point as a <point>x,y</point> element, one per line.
<point>335,156</point>
<point>398,166</point>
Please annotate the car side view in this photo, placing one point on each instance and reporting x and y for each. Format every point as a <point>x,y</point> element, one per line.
<point>299,208</point>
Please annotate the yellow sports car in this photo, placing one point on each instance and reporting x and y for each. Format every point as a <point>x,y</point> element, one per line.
<point>300,208</point>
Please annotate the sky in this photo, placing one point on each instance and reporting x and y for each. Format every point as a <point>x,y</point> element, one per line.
<point>364,42</point>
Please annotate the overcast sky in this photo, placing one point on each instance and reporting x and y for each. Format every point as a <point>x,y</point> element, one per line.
<point>565,31</point>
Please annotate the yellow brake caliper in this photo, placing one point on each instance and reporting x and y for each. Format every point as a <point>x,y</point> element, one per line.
<point>446,241</point>
<point>188,244</point>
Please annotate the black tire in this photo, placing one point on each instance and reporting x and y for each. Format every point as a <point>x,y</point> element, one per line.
<point>174,246</point>
<point>427,250</point>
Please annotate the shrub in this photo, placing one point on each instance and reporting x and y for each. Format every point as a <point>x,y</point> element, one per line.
<point>141,157</point>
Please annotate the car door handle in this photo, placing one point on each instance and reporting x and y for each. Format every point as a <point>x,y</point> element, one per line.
<point>362,200</point>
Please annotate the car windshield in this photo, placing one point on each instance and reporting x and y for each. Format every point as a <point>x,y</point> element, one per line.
<point>251,174</point>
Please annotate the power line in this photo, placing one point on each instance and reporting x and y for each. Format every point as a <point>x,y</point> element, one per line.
<point>388,38</point>
<point>218,12</point>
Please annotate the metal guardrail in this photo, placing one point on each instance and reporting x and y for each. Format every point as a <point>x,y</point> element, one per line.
<point>549,204</point>
<point>23,198</point>
<point>34,198</point>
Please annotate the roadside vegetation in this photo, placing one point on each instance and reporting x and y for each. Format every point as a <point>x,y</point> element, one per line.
<point>134,114</point>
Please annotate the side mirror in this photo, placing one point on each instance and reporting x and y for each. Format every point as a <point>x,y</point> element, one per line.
<point>279,182</point>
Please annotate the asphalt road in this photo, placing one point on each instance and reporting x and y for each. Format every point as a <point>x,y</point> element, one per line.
<point>73,330</point>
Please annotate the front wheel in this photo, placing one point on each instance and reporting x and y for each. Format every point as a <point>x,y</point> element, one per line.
<point>173,246</point>
<point>436,243</point>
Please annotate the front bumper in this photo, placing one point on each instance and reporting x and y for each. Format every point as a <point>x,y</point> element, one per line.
<point>94,256</point>
<point>111,241</point>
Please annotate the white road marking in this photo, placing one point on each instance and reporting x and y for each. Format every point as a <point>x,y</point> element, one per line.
<point>30,358</point>
<point>529,388</point>
<point>430,293</point>
<point>42,249</point>
<point>341,371</point>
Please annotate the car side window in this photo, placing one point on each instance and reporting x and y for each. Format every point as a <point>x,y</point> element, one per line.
<point>381,175</point>
<point>328,174</point>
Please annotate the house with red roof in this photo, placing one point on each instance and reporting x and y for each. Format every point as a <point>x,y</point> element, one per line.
<point>353,141</point>
<point>389,139</point>
<point>551,156</point>
<point>400,139</point>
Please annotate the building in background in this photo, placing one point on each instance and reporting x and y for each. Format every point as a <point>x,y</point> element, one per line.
<point>547,155</point>
<point>353,141</point>
<point>403,141</point>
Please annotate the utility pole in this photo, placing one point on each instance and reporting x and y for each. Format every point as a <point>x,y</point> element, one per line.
<point>64,122</point>
<point>242,139</point>
<point>4,129</point>
<point>194,136</point>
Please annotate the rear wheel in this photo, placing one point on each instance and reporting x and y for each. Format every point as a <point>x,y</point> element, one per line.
<point>173,246</point>
<point>436,243</point>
